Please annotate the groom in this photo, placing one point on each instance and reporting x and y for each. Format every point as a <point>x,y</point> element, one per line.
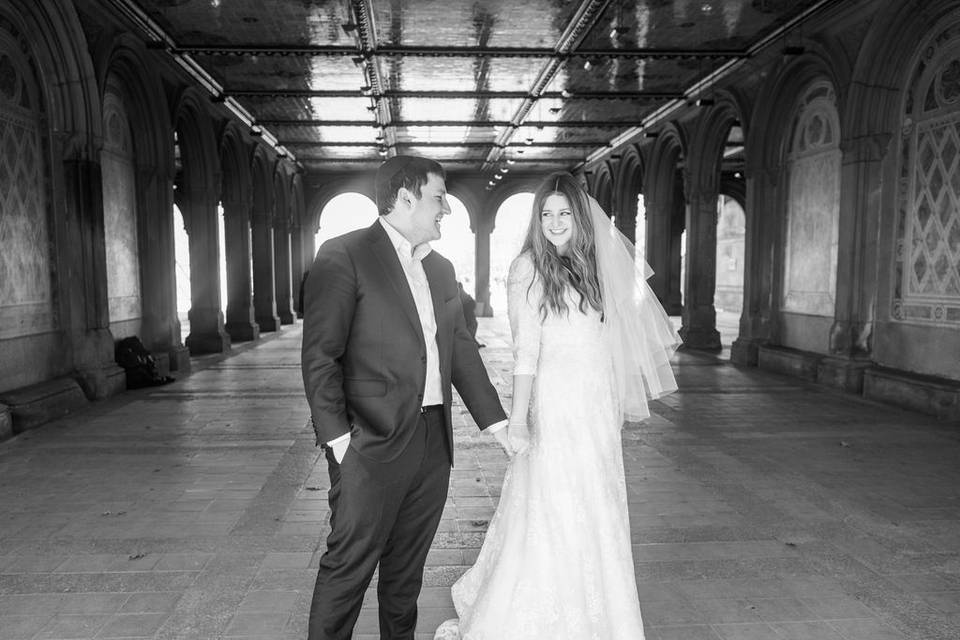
<point>383,338</point>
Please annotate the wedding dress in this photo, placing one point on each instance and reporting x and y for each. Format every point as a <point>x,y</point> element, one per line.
<point>556,563</point>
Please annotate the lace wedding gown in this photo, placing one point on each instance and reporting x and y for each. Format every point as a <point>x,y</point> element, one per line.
<point>556,563</point>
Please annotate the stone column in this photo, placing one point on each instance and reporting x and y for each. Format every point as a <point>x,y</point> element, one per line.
<point>265,309</point>
<point>658,247</point>
<point>161,327</point>
<point>207,332</point>
<point>241,324</point>
<point>296,267</point>
<point>482,266</point>
<point>627,223</point>
<point>852,331</point>
<point>699,329</point>
<point>84,281</point>
<point>759,287</point>
<point>284,288</point>
<point>677,224</point>
<point>307,252</point>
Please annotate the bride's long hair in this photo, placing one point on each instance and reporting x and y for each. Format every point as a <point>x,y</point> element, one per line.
<point>578,268</point>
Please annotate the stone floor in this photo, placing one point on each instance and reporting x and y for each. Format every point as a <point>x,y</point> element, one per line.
<point>762,507</point>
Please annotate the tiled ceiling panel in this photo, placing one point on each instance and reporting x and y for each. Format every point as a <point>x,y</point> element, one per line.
<point>344,83</point>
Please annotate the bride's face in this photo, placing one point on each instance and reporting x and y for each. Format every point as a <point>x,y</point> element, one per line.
<point>556,221</point>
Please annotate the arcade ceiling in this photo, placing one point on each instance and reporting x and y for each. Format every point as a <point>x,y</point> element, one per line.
<point>480,85</point>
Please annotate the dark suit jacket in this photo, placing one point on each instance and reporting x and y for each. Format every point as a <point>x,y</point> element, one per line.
<point>363,353</point>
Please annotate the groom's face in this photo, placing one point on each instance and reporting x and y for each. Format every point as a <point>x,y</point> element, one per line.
<point>427,212</point>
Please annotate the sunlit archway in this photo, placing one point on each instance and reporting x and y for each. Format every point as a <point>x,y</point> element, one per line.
<point>344,213</point>
<point>458,244</point>
<point>513,218</point>
<point>181,243</point>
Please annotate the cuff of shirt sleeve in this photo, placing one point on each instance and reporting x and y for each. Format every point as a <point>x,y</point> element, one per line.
<point>342,438</point>
<point>496,426</point>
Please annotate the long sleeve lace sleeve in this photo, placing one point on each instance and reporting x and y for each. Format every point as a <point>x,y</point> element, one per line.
<point>523,308</point>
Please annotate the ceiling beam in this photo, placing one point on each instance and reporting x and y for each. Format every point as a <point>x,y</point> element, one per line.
<point>559,124</point>
<point>579,26</point>
<point>640,53</point>
<point>454,144</point>
<point>367,32</point>
<point>393,93</point>
<point>474,161</point>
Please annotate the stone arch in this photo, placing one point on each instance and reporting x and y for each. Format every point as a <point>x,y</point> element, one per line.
<point>236,197</point>
<point>123,62</point>
<point>262,241</point>
<point>703,175</point>
<point>333,187</point>
<point>628,185</point>
<point>122,215</point>
<point>919,288</point>
<point>601,186</point>
<point>70,335</point>
<point>197,195</point>
<point>765,143</point>
<point>880,72</point>
<point>665,205</point>
<point>283,271</point>
<point>58,46</point>
<point>767,151</point>
<point>507,189</point>
<point>807,242</point>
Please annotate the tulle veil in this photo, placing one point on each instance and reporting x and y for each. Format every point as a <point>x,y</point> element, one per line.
<point>639,333</point>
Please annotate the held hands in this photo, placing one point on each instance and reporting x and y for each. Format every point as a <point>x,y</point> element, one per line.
<point>518,436</point>
<point>514,438</point>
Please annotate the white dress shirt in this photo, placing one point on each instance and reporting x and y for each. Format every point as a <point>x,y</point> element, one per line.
<point>411,259</point>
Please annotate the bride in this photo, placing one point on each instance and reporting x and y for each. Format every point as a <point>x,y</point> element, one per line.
<point>591,344</point>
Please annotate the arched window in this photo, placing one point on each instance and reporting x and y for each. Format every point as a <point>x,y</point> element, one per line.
<point>813,204</point>
<point>120,217</point>
<point>343,213</point>
<point>26,286</point>
<point>927,288</point>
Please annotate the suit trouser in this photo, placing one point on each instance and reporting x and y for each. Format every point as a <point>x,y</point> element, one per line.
<point>386,514</point>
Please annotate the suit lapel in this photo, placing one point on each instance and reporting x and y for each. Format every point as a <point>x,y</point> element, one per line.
<point>385,252</point>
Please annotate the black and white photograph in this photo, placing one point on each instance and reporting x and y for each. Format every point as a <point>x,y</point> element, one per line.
<point>479,319</point>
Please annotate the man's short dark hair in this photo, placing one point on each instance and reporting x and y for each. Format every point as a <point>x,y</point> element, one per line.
<point>409,172</point>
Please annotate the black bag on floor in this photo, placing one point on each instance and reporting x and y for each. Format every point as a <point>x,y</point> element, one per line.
<point>141,367</point>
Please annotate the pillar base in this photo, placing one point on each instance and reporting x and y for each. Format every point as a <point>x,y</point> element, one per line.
<point>745,351</point>
<point>269,323</point>
<point>791,362</point>
<point>703,339</point>
<point>179,359</point>
<point>243,331</point>
<point>928,394</point>
<point>842,373</point>
<point>286,317</point>
<point>208,342</point>
<point>102,382</point>
<point>6,423</point>
<point>32,406</point>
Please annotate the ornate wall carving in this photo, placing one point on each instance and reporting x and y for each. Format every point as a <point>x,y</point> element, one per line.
<point>120,213</point>
<point>927,273</point>
<point>26,289</point>
<point>813,205</point>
